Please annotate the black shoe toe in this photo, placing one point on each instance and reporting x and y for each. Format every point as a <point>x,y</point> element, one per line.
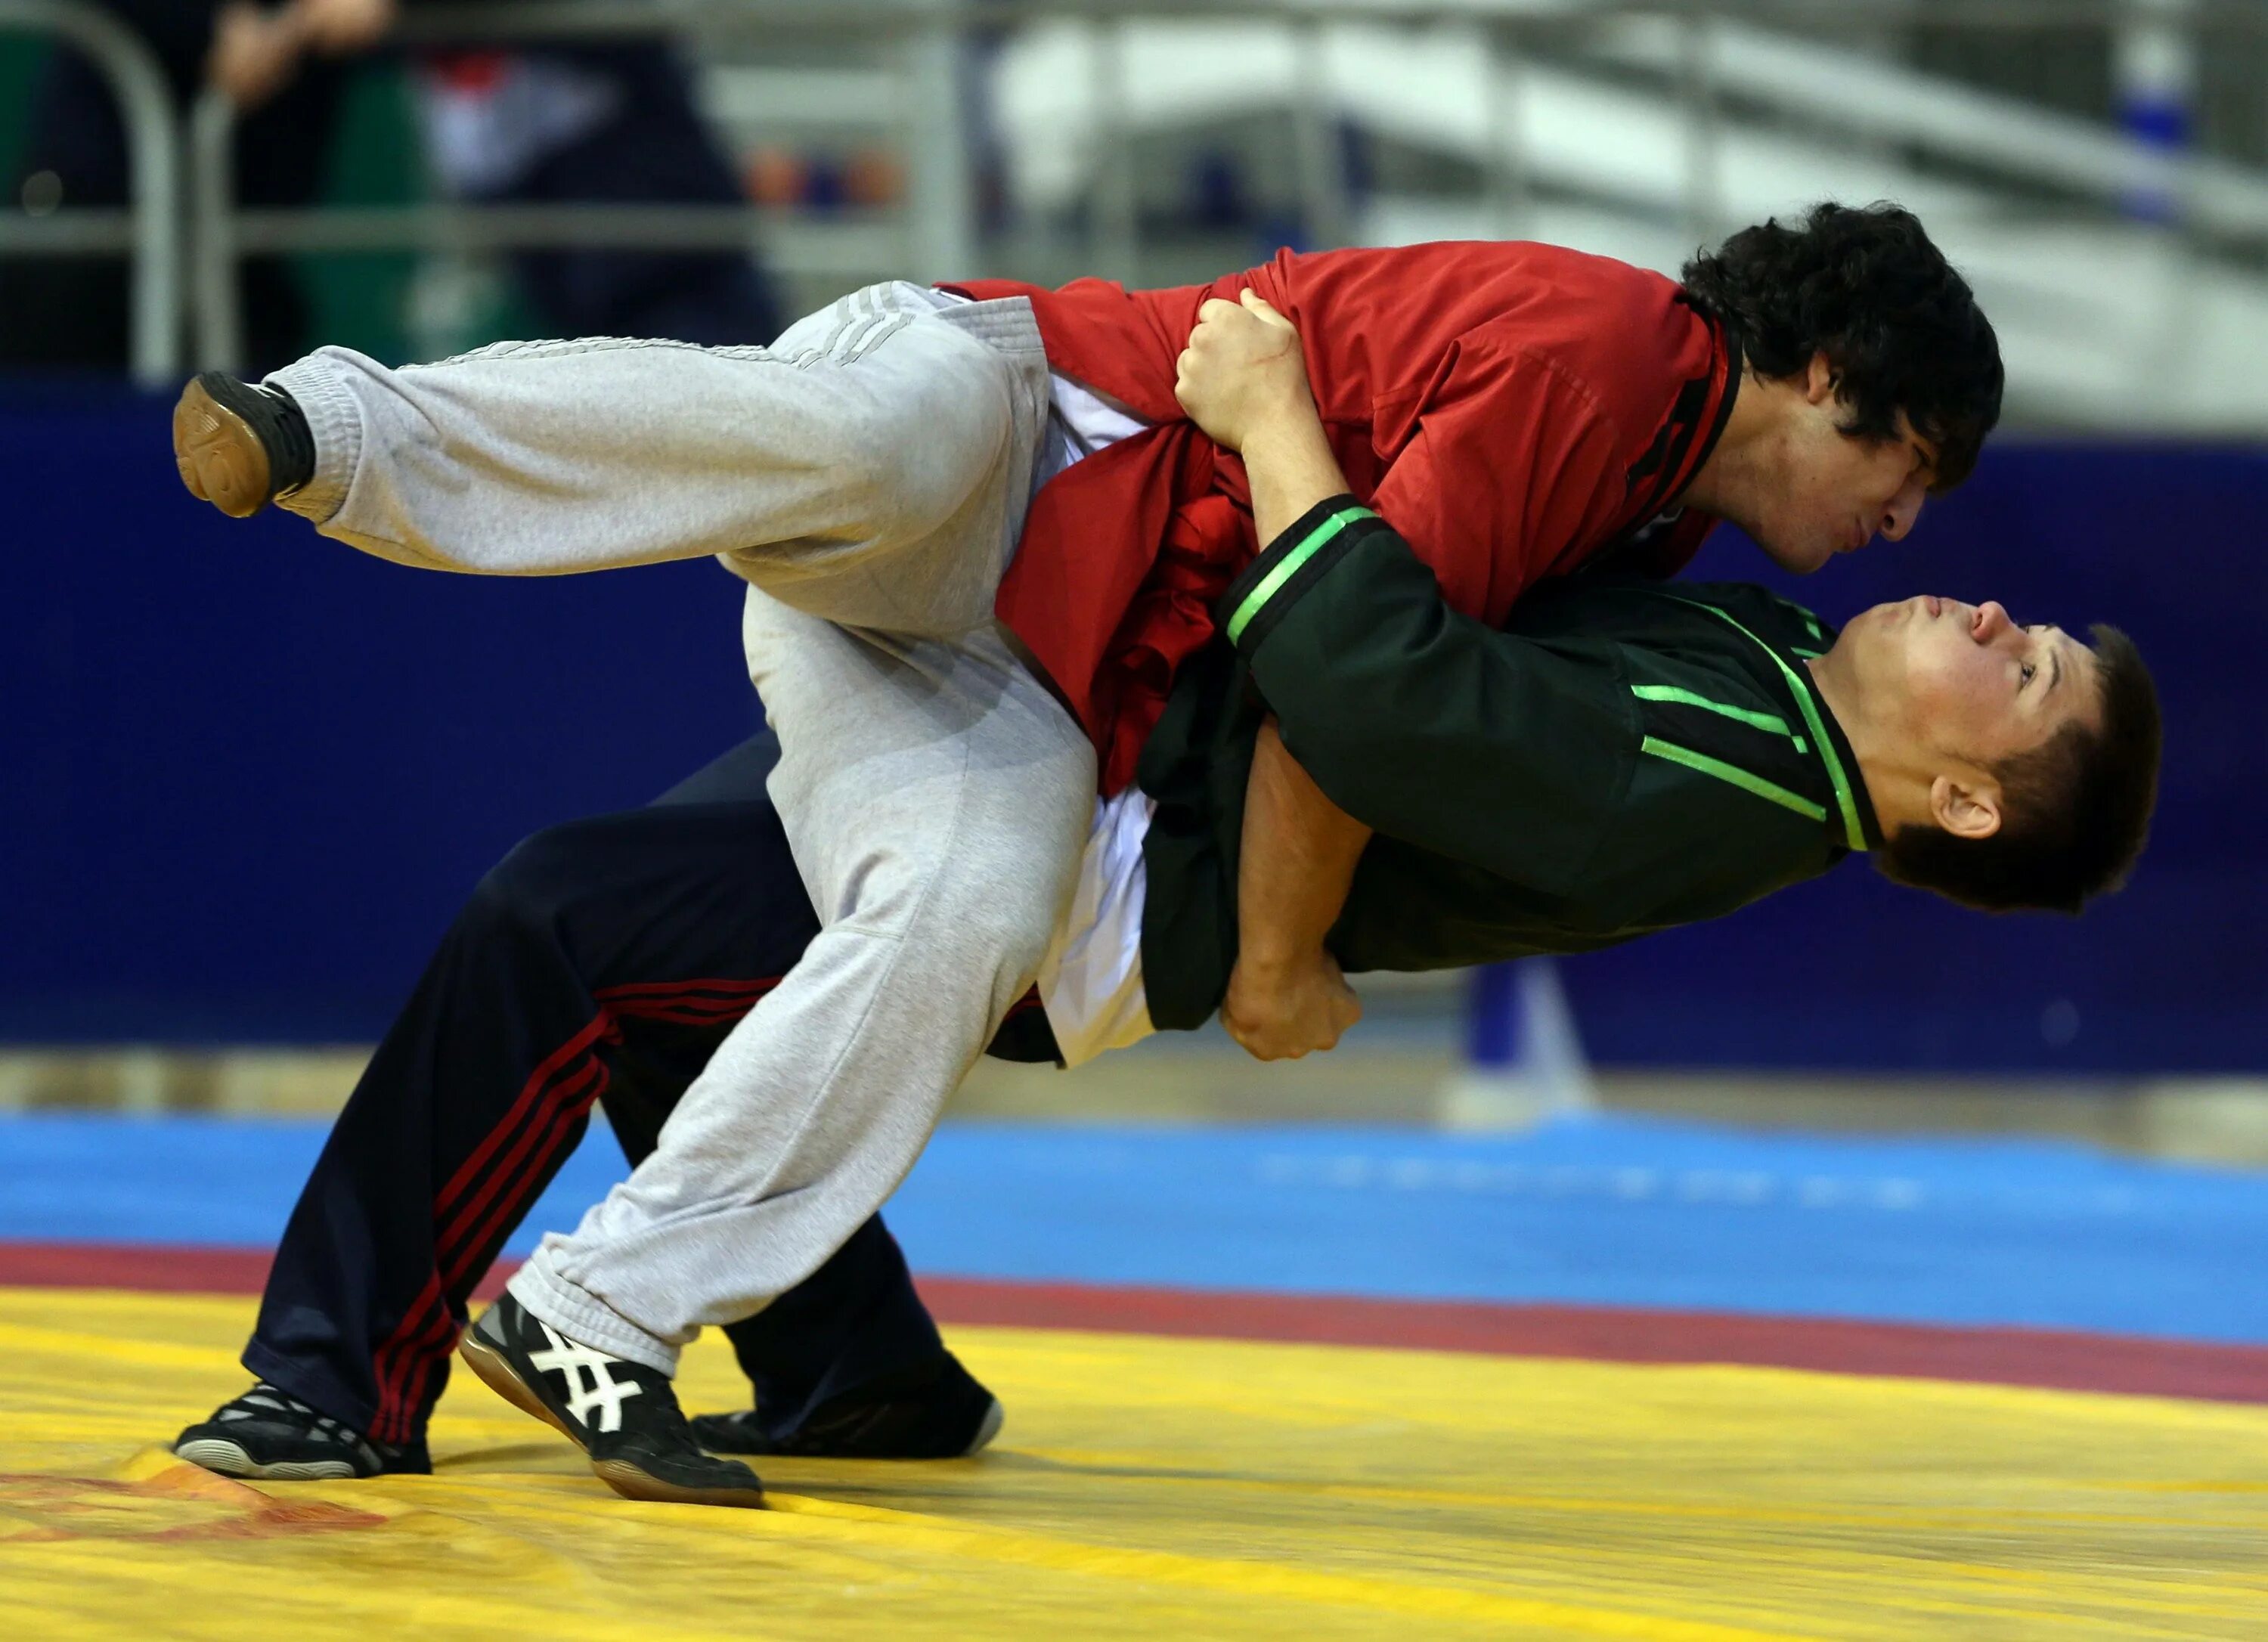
<point>935,1409</point>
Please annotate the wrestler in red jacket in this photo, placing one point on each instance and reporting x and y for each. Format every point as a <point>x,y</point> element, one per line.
<point>1513,409</point>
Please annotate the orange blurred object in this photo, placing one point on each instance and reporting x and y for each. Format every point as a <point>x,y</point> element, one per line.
<point>776,176</point>
<point>779,176</point>
<point>874,176</point>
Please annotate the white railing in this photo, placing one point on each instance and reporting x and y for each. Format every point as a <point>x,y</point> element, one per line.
<point>150,228</point>
<point>1463,75</point>
<point>2129,288</point>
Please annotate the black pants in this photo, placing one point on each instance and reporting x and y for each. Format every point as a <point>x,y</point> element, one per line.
<point>600,963</point>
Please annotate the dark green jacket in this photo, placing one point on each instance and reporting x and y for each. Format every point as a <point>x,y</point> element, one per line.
<point>1625,756</point>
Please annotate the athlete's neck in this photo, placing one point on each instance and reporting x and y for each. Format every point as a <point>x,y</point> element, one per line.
<point>1727,482</point>
<point>1899,794</point>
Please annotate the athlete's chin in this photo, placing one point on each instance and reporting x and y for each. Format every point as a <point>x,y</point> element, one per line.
<point>1803,557</point>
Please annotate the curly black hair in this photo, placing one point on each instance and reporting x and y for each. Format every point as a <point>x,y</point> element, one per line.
<point>1864,286</point>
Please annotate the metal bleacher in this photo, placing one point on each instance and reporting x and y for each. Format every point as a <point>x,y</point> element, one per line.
<point>2127,276</point>
<point>1643,135</point>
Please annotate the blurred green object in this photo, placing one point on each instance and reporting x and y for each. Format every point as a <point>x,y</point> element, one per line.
<point>382,302</point>
<point>20,57</point>
<point>360,299</point>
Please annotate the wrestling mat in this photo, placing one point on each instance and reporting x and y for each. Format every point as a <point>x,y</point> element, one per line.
<point>1171,1482</point>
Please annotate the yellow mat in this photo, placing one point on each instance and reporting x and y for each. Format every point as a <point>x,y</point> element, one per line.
<point>1150,1488</point>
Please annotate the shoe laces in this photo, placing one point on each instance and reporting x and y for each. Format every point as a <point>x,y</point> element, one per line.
<point>265,1402</point>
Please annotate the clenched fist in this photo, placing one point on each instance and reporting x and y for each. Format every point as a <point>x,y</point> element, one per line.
<point>256,51</point>
<point>1284,1011</point>
<point>339,28</point>
<point>1242,369</point>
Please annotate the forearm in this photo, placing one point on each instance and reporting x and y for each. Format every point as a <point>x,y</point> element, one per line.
<point>1296,862</point>
<point>1299,849</point>
<point>1290,468</point>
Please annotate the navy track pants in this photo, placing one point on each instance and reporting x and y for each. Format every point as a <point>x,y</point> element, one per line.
<point>600,963</point>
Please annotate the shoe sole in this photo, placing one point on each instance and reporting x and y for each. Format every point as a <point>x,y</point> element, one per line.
<point>630,1483</point>
<point>987,1429</point>
<point>221,459</point>
<point>627,1480</point>
<point>228,1458</point>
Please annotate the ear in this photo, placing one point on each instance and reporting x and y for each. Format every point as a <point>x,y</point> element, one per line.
<point>1965,809</point>
<point>1821,382</point>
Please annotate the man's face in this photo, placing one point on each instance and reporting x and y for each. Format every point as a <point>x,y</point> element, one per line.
<point>1825,492</point>
<point>1961,685</point>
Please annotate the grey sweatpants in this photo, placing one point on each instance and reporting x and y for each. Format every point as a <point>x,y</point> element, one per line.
<point>868,474</point>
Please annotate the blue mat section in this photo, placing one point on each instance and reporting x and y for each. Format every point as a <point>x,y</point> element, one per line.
<point>1607,1211</point>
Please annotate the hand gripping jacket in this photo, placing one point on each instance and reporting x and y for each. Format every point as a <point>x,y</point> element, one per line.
<point>1513,410</point>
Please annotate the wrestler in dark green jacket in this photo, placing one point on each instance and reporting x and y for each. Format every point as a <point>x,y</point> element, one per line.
<point>1625,756</point>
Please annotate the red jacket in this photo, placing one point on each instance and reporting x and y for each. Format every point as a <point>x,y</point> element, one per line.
<point>1511,409</point>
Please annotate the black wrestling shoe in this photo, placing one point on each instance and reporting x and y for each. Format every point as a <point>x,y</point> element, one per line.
<point>270,1435</point>
<point>622,1414</point>
<point>934,1410</point>
<point>239,446</point>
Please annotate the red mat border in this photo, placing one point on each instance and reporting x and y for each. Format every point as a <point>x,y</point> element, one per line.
<point>2054,1359</point>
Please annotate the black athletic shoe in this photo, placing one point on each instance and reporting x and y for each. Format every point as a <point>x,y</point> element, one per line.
<point>934,1410</point>
<point>269,1433</point>
<point>622,1414</point>
<point>239,446</point>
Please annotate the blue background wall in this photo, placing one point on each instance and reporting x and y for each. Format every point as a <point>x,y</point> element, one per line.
<point>247,774</point>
